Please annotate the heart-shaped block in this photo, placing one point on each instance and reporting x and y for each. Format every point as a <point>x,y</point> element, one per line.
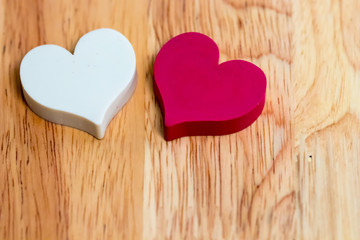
<point>199,96</point>
<point>83,90</point>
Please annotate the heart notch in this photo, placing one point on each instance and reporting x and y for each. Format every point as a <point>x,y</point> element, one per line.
<point>84,90</point>
<point>199,96</point>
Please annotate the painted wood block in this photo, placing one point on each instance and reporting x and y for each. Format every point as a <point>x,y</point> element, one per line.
<point>199,96</point>
<point>84,90</point>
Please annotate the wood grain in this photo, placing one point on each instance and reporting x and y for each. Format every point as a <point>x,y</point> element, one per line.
<point>294,174</point>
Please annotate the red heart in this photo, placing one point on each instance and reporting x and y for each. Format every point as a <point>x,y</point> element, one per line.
<point>199,96</point>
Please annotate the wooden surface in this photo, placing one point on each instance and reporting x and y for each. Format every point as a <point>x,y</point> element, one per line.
<point>294,174</point>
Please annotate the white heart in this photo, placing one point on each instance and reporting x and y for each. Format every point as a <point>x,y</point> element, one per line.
<point>83,90</point>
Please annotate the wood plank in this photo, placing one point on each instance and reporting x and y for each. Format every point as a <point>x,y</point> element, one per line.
<point>59,182</point>
<point>230,186</point>
<point>327,84</point>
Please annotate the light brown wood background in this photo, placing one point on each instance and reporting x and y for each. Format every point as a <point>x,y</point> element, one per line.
<point>294,174</point>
